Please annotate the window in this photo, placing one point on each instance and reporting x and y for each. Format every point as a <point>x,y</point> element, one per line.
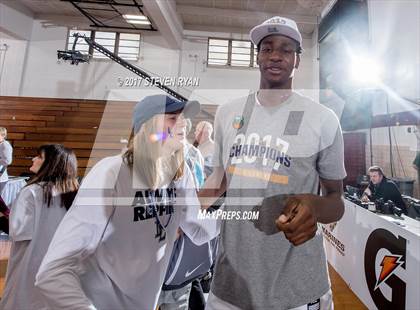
<point>107,40</point>
<point>241,53</point>
<point>218,52</point>
<point>128,46</point>
<point>233,53</point>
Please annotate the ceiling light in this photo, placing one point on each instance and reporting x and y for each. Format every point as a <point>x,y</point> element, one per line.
<point>139,17</point>
<point>141,22</point>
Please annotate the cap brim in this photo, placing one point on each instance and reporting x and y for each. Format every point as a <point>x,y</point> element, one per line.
<point>189,108</point>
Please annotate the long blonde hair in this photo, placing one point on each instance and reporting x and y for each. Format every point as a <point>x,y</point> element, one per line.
<point>142,155</point>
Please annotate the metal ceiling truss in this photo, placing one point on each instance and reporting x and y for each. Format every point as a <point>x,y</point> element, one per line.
<point>88,8</point>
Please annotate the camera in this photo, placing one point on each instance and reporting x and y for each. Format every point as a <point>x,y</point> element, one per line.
<point>74,56</point>
<point>413,207</point>
<point>387,207</point>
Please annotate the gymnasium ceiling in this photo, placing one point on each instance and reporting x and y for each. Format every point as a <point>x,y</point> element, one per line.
<point>174,17</point>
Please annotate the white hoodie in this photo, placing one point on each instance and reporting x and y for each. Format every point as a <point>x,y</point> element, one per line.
<point>110,252</point>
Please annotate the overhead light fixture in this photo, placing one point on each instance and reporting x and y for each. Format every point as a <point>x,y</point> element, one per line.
<point>136,17</point>
<point>141,22</point>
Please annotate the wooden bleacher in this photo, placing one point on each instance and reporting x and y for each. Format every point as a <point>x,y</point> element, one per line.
<point>92,128</point>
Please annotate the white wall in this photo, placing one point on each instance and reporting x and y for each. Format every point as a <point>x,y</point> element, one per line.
<point>44,76</point>
<point>220,85</point>
<point>12,56</point>
<point>94,81</point>
<point>15,31</point>
<point>15,20</point>
<point>89,81</point>
<point>395,42</point>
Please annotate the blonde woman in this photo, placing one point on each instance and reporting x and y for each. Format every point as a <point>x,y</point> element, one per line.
<point>112,249</point>
<point>34,217</point>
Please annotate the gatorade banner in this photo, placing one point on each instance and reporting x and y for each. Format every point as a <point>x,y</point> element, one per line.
<point>378,256</point>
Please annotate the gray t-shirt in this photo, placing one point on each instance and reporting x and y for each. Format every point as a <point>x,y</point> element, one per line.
<point>32,226</point>
<point>284,150</point>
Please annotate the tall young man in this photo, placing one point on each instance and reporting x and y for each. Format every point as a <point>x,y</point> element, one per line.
<point>272,150</point>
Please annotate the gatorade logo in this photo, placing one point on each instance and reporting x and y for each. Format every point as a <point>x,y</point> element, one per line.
<point>388,266</point>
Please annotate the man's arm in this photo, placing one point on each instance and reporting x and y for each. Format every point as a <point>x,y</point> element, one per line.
<point>331,205</point>
<point>214,187</point>
<point>366,194</point>
<point>302,212</point>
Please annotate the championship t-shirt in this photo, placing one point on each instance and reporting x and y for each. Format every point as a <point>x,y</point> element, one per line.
<point>284,150</point>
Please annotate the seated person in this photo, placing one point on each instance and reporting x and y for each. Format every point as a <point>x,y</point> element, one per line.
<point>381,187</point>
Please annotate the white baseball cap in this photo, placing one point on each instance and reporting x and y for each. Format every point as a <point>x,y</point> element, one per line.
<point>276,25</point>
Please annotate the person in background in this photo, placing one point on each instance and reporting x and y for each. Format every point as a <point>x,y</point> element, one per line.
<point>188,261</point>
<point>381,187</point>
<point>194,158</point>
<point>6,153</point>
<point>205,144</point>
<point>112,249</point>
<point>34,217</point>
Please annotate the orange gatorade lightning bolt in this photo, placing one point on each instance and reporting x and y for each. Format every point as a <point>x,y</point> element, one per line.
<point>389,264</point>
